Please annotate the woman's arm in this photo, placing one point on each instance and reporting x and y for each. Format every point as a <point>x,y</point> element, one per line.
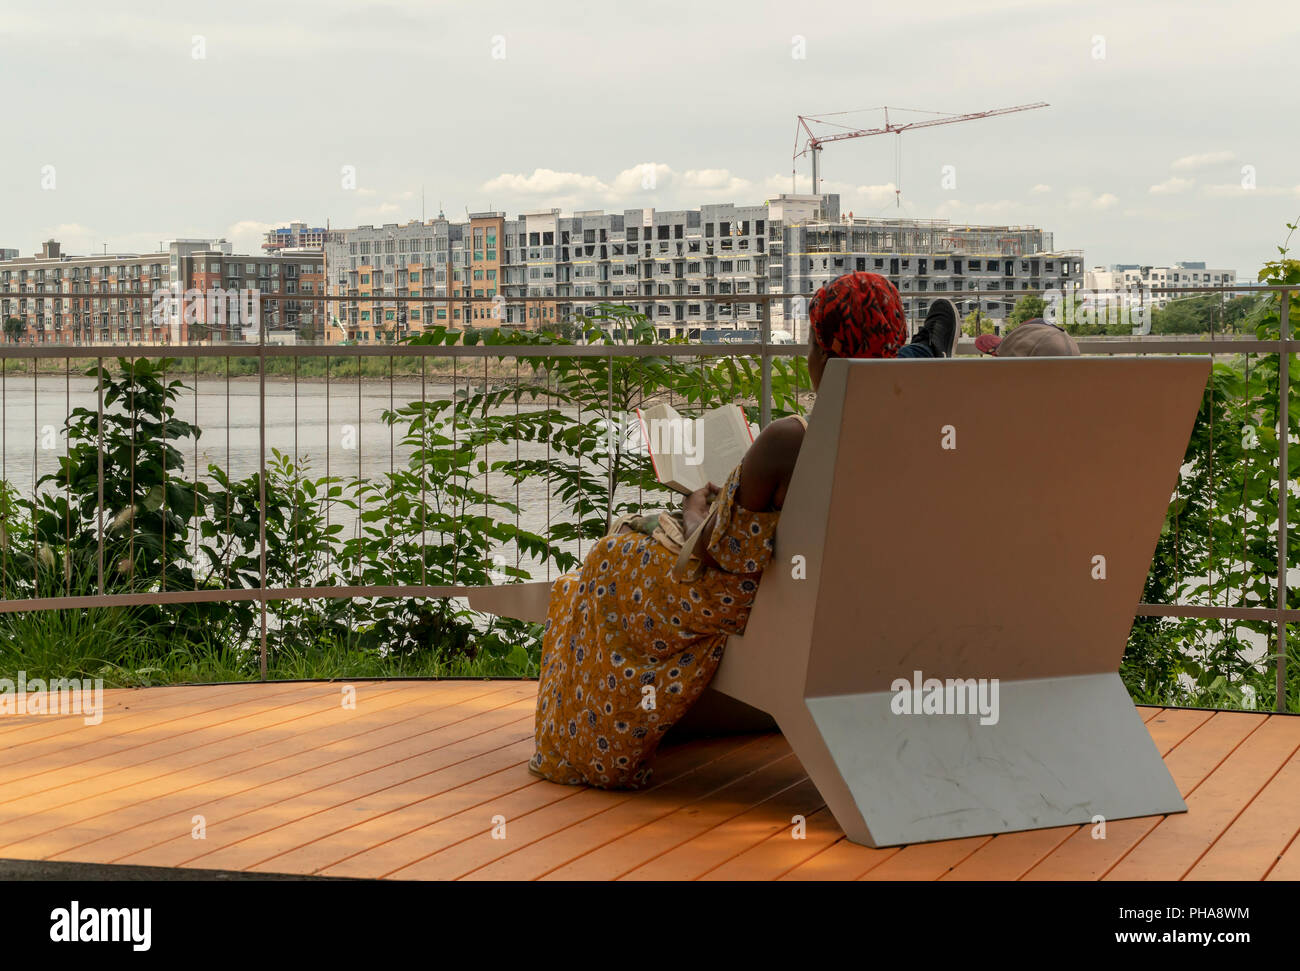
<point>765,473</point>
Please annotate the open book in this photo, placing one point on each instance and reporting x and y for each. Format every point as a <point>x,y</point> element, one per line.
<point>689,453</point>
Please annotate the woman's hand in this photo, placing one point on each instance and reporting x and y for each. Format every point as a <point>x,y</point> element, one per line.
<point>696,506</point>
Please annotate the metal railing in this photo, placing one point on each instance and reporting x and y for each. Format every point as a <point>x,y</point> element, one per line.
<point>265,354</point>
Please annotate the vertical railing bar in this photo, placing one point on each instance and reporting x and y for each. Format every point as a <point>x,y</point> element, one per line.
<point>226,546</point>
<point>1283,488</point>
<point>36,455</point>
<point>297,478</point>
<point>360,492</point>
<point>392,447</point>
<point>67,490</point>
<point>99,475</point>
<point>261,483</point>
<point>195,523</point>
<point>549,476</point>
<point>162,508</point>
<point>765,337</point>
<point>582,494</point>
<point>424,450</point>
<point>131,493</point>
<point>4,471</point>
<point>517,396</point>
<point>329,434</point>
<point>455,438</point>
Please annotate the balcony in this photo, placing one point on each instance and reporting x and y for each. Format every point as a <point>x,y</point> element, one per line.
<point>401,785</point>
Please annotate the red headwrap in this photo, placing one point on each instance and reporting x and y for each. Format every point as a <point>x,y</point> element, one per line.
<point>858,315</point>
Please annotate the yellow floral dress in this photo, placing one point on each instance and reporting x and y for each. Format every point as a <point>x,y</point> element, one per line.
<point>628,648</point>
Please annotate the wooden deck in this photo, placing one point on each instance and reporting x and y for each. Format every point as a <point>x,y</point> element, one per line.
<point>413,780</point>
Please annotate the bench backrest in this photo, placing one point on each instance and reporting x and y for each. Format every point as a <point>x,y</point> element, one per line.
<point>967,519</point>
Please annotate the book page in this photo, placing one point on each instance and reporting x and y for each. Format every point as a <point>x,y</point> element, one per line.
<point>688,453</point>
<point>670,440</point>
<point>724,438</point>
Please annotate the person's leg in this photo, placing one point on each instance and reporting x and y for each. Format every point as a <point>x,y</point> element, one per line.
<point>917,349</point>
<point>937,337</point>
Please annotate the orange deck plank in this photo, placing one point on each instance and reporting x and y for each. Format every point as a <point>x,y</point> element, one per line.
<point>183,786</point>
<point>781,852</point>
<point>1177,843</point>
<point>411,782</point>
<point>683,775</point>
<point>371,729</point>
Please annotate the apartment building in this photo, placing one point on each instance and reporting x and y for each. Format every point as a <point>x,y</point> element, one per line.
<point>295,236</point>
<point>1131,280</point>
<point>663,262</point>
<point>109,298</point>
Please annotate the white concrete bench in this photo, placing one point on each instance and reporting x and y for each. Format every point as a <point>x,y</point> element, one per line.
<point>988,523</point>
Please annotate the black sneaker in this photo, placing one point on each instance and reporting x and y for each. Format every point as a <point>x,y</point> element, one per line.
<point>939,332</point>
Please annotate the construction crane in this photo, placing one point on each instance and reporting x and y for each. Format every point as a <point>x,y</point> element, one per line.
<point>814,142</point>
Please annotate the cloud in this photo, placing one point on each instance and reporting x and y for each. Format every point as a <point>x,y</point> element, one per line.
<point>717,180</point>
<point>247,235</point>
<point>1039,189</point>
<point>73,237</point>
<point>996,209</point>
<point>638,180</point>
<point>1082,198</point>
<point>873,196</point>
<point>1235,190</point>
<point>1172,186</point>
<point>545,182</point>
<point>774,185</point>
<point>364,213</point>
<point>630,186</point>
<point>1200,161</point>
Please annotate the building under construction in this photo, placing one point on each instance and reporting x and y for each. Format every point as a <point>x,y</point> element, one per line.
<point>920,257</point>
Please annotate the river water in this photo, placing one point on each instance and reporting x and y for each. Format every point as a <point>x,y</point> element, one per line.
<point>336,430</point>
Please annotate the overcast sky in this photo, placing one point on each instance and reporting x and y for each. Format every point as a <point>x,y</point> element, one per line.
<point>130,123</point>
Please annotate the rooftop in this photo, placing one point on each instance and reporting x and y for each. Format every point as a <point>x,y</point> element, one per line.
<point>407,783</point>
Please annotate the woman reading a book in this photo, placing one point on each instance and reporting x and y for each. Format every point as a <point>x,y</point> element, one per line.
<point>630,644</point>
